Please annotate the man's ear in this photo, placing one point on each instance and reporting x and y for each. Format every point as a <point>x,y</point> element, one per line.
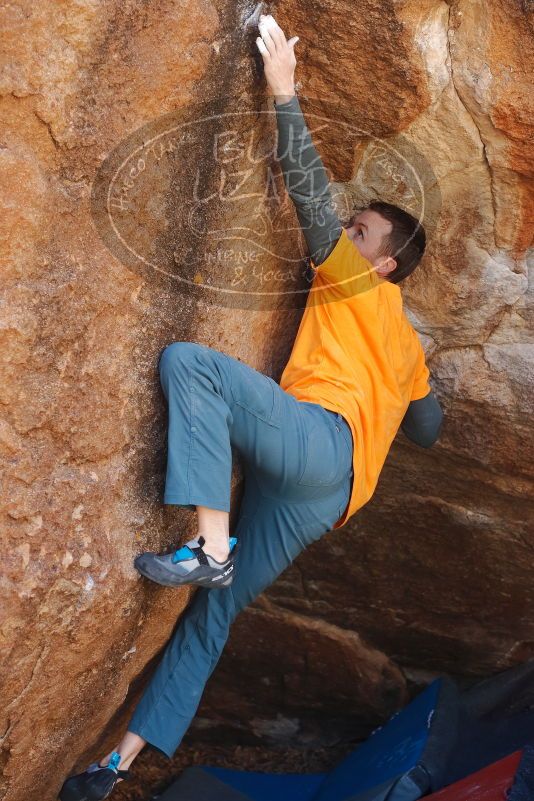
<point>385,266</point>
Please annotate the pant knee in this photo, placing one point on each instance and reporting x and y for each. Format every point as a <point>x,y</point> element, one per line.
<point>177,354</point>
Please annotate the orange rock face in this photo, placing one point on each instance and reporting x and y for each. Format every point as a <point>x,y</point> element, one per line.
<point>136,147</point>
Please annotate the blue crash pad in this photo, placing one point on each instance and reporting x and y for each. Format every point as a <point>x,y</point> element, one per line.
<point>392,759</point>
<point>441,737</point>
<point>271,786</point>
<point>401,760</point>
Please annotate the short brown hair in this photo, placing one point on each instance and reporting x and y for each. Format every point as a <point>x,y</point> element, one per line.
<point>405,243</point>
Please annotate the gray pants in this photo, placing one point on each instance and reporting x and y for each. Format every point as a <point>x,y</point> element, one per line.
<point>297,460</point>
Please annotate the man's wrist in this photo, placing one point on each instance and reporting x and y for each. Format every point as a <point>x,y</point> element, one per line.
<point>284,95</point>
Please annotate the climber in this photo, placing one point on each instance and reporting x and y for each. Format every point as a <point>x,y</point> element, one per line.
<point>312,447</point>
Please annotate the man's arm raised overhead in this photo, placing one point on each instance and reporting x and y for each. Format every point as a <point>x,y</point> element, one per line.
<point>304,174</point>
<point>306,181</point>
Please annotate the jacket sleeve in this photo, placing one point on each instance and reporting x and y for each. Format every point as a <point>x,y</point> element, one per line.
<point>423,420</point>
<point>306,181</point>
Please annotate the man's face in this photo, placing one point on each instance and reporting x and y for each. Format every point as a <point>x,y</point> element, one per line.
<point>366,230</point>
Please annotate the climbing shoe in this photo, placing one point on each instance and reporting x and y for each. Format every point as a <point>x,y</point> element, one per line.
<point>188,565</point>
<point>95,783</point>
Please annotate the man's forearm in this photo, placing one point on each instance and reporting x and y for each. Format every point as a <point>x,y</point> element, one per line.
<point>305,179</point>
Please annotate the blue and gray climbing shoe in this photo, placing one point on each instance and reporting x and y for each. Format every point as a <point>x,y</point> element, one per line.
<point>95,783</point>
<point>188,565</point>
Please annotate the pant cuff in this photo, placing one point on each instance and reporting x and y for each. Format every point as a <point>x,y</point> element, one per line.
<point>221,505</point>
<point>156,742</point>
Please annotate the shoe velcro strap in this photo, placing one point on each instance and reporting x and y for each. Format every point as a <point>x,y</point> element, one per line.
<point>199,553</point>
<point>124,774</point>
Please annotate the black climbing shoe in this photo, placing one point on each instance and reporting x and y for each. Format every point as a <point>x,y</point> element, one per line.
<point>188,565</point>
<point>95,783</point>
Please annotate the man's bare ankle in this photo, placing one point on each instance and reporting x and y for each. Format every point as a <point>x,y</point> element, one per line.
<point>219,554</point>
<point>218,550</point>
<point>217,546</point>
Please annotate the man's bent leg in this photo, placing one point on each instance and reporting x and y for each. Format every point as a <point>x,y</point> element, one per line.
<point>271,535</point>
<point>215,403</point>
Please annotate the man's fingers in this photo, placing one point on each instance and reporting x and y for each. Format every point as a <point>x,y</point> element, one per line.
<point>274,29</point>
<point>293,41</point>
<point>261,47</point>
<point>268,39</point>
